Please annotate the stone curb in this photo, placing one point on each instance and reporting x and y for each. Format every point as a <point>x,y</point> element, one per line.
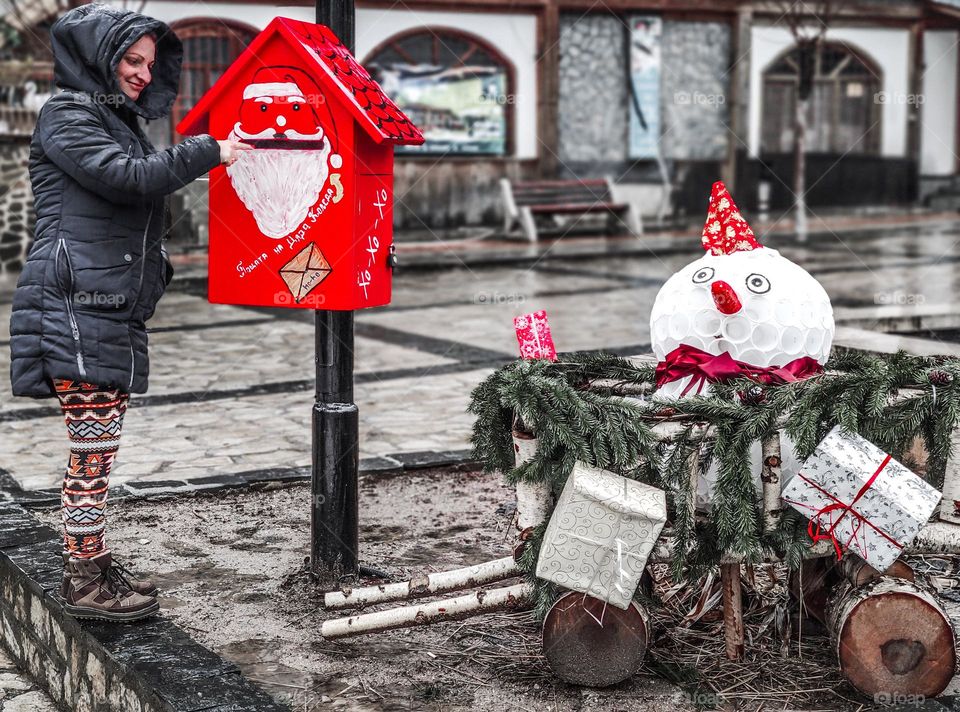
<point>388,465</point>
<point>91,666</point>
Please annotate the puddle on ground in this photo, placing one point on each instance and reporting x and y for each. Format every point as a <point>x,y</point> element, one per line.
<point>169,602</point>
<point>207,575</point>
<point>376,532</point>
<point>188,551</point>
<point>258,660</point>
<point>368,647</point>
<point>430,553</point>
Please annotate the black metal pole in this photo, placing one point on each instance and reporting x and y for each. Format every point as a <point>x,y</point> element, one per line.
<point>334,513</point>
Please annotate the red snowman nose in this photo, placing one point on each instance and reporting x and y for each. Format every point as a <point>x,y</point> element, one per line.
<point>725,298</point>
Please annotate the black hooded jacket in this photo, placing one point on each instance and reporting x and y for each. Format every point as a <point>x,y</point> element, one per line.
<point>96,268</point>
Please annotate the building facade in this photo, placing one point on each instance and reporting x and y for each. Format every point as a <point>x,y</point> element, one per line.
<point>646,92</point>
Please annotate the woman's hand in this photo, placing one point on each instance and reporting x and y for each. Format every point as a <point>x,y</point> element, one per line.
<point>230,151</point>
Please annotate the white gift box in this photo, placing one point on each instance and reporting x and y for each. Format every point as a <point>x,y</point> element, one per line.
<point>861,498</point>
<point>601,533</point>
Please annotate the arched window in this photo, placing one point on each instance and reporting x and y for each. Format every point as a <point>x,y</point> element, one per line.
<point>454,86</point>
<point>843,112</point>
<point>209,46</point>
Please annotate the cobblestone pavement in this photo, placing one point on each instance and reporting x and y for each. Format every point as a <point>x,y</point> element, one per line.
<point>231,388</point>
<point>17,691</point>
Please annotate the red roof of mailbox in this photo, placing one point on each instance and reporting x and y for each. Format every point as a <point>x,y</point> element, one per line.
<point>319,47</point>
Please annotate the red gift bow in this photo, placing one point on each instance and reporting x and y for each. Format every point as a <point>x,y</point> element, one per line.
<point>815,533</point>
<point>688,360</point>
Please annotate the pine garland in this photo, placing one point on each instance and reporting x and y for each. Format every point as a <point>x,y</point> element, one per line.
<point>889,400</point>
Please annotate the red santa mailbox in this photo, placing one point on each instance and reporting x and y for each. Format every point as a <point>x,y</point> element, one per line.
<point>305,219</point>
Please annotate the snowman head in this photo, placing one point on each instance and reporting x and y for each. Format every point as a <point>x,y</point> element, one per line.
<point>742,298</point>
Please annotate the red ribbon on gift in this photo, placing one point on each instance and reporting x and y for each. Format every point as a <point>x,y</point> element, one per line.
<point>688,360</point>
<point>814,528</point>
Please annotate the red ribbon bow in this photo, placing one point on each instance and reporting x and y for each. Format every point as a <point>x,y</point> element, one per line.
<point>688,360</point>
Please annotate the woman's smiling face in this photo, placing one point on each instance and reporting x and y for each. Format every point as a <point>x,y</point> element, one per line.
<point>135,70</point>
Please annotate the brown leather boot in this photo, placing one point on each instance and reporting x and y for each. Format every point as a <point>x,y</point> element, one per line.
<point>143,587</point>
<point>94,590</point>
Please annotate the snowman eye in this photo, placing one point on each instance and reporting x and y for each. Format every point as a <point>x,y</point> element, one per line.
<point>704,274</point>
<point>758,284</point>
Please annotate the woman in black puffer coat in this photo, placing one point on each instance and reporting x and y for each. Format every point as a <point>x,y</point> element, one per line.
<point>97,267</point>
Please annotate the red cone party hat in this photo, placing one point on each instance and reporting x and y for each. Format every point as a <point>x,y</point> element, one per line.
<point>725,231</point>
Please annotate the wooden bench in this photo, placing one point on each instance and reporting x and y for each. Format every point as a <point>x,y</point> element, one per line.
<point>525,201</point>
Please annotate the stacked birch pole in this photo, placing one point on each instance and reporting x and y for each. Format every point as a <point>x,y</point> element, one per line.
<point>533,505</point>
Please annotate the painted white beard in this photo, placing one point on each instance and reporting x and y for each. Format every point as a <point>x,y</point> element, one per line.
<point>279,186</point>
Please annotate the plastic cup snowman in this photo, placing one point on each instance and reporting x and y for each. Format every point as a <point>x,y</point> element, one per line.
<point>741,299</point>
<point>740,310</point>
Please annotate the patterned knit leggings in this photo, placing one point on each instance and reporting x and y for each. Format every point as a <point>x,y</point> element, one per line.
<point>94,417</point>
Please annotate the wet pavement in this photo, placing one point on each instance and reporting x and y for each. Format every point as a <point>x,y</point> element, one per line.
<point>231,388</point>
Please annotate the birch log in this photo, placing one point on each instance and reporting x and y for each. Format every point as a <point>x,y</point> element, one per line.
<point>770,477</point>
<point>858,572</point>
<point>892,637</point>
<point>588,643</point>
<point>533,498</point>
<point>936,538</point>
<point>694,480</point>
<point>816,579</point>
<point>451,609</point>
<point>950,504</point>
<point>732,610</point>
<point>439,582</point>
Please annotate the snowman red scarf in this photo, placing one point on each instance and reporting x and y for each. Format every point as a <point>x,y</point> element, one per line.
<point>687,360</point>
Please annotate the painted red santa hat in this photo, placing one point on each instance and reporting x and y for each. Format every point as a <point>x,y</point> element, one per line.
<point>725,230</point>
<point>274,82</point>
<point>288,83</point>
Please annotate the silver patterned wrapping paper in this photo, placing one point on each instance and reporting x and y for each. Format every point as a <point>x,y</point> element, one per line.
<point>887,515</point>
<point>601,533</point>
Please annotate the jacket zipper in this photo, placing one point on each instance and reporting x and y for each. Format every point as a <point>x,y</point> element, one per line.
<point>143,263</point>
<point>68,295</point>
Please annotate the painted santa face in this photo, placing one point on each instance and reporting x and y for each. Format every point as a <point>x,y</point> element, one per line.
<point>756,305</point>
<point>279,117</point>
<point>284,176</point>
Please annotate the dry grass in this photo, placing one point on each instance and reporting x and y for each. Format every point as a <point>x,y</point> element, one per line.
<point>788,662</point>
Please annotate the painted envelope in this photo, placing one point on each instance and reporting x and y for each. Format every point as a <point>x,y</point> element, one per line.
<point>305,271</point>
